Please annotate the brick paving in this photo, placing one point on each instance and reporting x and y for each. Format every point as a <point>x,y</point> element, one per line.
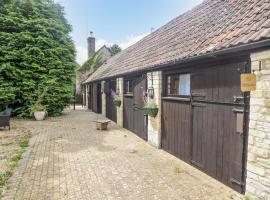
<point>69,159</point>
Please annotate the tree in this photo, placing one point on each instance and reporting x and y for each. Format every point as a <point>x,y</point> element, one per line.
<point>36,55</point>
<point>94,62</point>
<point>115,49</point>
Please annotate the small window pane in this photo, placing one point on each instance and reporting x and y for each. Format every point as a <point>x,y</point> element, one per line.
<point>178,84</point>
<point>184,85</point>
<point>129,86</point>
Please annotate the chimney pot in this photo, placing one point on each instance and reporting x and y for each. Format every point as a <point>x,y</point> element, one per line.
<point>91,44</point>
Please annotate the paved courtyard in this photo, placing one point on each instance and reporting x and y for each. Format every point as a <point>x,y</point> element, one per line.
<point>69,159</point>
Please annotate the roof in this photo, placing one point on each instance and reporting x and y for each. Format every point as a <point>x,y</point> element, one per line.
<point>212,26</point>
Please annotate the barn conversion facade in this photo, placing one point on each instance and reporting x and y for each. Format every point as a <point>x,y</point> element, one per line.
<point>191,69</point>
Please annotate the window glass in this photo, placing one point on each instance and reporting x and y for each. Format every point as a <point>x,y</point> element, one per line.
<point>179,84</point>
<point>184,84</point>
<point>129,86</point>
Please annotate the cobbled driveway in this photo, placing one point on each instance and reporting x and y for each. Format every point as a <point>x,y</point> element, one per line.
<point>69,159</point>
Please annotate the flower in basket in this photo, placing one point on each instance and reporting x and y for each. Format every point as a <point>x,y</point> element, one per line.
<point>151,109</point>
<point>116,99</point>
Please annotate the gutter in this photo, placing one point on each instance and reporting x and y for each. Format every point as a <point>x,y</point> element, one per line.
<point>243,47</point>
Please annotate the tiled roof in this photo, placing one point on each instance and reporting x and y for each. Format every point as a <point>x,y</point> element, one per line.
<point>211,26</point>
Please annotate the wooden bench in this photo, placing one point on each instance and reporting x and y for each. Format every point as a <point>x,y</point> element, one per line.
<point>102,124</point>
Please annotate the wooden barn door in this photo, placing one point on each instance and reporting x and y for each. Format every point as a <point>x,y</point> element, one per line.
<point>219,110</point>
<point>140,119</point>
<point>135,119</point>
<point>97,98</point>
<point>209,128</point>
<point>111,110</point>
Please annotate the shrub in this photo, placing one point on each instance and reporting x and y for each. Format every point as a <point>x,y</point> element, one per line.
<point>36,52</point>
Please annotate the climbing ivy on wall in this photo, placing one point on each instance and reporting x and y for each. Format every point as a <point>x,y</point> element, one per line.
<point>37,56</point>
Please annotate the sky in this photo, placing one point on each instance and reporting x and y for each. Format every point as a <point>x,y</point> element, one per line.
<point>121,22</point>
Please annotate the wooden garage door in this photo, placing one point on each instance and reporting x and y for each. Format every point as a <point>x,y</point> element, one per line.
<point>111,110</point>
<point>96,98</point>
<point>210,130</point>
<point>135,118</point>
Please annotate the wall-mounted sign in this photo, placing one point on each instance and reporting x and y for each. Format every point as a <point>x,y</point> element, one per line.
<point>248,82</point>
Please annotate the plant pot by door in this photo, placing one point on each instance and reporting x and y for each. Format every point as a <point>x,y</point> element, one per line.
<point>117,103</point>
<point>152,112</point>
<point>40,115</point>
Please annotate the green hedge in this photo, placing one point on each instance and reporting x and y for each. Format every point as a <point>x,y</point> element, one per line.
<point>37,56</point>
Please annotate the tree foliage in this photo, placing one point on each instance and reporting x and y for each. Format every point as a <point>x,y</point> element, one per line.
<point>115,49</point>
<point>94,62</point>
<point>36,55</point>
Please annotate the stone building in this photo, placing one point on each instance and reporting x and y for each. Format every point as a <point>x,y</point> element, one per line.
<point>208,74</point>
<point>95,60</point>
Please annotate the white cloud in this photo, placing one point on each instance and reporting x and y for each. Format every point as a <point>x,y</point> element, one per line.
<point>132,39</point>
<point>81,54</point>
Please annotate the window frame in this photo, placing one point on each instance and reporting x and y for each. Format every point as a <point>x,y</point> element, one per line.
<point>127,87</point>
<point>167,85</point>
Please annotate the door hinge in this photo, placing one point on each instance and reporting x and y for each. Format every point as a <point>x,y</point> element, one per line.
<point>237,182</point>
<point>196,164</point>
<point>238,110</point>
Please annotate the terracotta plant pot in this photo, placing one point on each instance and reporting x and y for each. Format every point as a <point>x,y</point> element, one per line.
<point>117,103</point>
<point>152,112</point>
<point>40,115</point>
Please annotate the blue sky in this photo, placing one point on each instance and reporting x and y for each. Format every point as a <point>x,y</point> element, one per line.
<point>119,21</point>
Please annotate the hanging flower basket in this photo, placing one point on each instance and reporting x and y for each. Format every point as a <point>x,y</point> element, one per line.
<point>152,112</point>
<point>117,101</point>
<point>151,109</point>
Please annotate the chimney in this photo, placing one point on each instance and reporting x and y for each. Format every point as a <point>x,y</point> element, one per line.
<point>91,44</point>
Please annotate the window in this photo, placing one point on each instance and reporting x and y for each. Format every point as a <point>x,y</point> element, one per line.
<point>178,84</point>
<point>129,87</point>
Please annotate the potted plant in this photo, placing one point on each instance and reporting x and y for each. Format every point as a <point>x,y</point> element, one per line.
<point>38,111</point>
<point>117,101</point>
<point>151,109</point>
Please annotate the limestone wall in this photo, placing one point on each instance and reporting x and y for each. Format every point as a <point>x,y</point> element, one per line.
<point>103,96</point>
<point>154,124</point>
<point>120,110</point>
<point>258,165</point>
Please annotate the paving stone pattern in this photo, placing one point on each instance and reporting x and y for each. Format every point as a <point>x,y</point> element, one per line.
<point>69,159</point>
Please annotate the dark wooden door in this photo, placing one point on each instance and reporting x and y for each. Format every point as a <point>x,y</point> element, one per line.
<point>176,122</point>
<point>111,110</point>
<point>209,129</point>
<point>97,98</point>
<point>90,97</point>
<point>218,130</point>
<point>140,118</point>
<point>135,118</point>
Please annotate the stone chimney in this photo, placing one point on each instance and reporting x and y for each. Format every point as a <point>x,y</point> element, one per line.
<point>91,44</point>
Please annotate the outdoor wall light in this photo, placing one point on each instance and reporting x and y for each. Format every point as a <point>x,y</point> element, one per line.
<point>151,92</point>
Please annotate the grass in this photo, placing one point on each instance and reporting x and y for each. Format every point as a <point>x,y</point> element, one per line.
<point>177,169</point>
<point>13,162</point>
<point>7,144</point>
<point>246,197</point>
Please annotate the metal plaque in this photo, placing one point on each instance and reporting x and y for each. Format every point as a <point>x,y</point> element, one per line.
<point>248,82</point>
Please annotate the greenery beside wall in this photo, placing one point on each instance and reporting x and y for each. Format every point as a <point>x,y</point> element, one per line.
<point>94,62</point>
<point>37,54</point>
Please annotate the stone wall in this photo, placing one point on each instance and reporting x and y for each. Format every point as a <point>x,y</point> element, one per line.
<point>258,164</point>
<point>103,96</point>
<point>154,123</point>
<point>87,96</point>
<point>120,110</point>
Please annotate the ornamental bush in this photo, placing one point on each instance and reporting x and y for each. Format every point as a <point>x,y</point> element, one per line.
<point>37,55</point>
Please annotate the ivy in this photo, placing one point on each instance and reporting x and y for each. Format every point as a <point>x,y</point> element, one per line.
<point>37,54</point>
